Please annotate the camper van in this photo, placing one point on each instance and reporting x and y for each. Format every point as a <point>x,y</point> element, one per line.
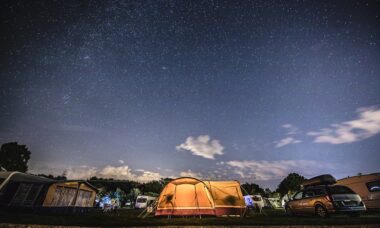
<point>144,201</point>
<point>321,197</point>
<point>367,186</point>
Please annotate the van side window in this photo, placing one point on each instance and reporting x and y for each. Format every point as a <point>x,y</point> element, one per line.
<point>374,186</point>
<point>319,191</point>
<point>308,193</point>
<point>298,195</point>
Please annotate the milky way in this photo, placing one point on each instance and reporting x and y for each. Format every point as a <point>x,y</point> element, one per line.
<point>85,84</point>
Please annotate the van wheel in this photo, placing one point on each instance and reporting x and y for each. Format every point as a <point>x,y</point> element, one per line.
<point>289,211</point>
<point>321,212</point>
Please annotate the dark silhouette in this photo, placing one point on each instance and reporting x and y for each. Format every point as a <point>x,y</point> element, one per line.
<point>253,189</point>
<point>14,157</point>
<point>151,187</point>
<point>59,177</point>
<point>291,183</point>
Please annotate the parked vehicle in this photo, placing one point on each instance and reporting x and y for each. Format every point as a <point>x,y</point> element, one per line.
<point>275,202</point>
<point>258,201</point>
<point>285,199</point>
<point>367,186</point>
<point>323,200</point>
<point>144,201</point>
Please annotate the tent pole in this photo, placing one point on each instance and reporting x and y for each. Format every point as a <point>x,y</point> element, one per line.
<point>174,199</point>
<point>209,194</point>
<point>196,200</point>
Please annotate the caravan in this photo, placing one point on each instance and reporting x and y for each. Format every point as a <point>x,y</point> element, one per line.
<point>367,186</point>
<point>144,201</point>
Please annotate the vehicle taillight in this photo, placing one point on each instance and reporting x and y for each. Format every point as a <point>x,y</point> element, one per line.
<point>328,198</point>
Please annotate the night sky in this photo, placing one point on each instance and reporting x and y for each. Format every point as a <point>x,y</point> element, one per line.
<point>247,90</point>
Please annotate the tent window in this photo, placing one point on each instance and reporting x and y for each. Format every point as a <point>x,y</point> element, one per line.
<point>83,198</point>
<point>26,195</point>
<point>63,197</point>
<point>32,195</point>
<point>21,194</point>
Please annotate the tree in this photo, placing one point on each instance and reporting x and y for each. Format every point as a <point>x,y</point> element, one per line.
<point>50,176</point>
<point>154,187</point>
<point>14,157</point>
<point>290,184</point>
<point>268,193</point>
<point>253,189</point>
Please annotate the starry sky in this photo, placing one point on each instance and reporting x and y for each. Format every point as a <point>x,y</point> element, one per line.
<point>247,90</point>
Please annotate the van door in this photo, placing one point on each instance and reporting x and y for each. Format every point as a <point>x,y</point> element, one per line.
<point>308,200</point>
<point>294,204</point>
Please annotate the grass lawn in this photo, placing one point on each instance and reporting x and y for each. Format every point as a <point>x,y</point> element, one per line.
<point>129,218</point>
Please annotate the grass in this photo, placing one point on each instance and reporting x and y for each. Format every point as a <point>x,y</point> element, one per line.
<point>129,218</point>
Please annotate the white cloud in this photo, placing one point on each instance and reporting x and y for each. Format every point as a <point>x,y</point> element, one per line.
<point>292,130</point>
<point>147,176</point>
<point>190,173</point>
<point>115,172</point>
<point>202,146</point>
<point>365,126</point>
<point>121,161</point>
<point>81,172</point>
<point>273,170</point>
<point>286,141</point>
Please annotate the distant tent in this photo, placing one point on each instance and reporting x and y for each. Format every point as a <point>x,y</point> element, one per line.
<point>44,194</point>
<point>188,196</point>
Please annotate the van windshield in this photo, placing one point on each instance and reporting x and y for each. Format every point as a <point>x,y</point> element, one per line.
<point>340,190</point>
<point>141,200</point>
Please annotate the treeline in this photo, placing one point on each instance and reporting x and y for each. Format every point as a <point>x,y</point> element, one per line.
<point>15,157</point>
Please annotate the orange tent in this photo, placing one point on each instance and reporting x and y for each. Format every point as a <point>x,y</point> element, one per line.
<point>189,196</point>
<point>227,196</point>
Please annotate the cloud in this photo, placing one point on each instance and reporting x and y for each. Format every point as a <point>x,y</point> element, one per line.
<point>81,172</point>
<point>121,161</point>
<point>286,141</point>
<point>292,130</point>
<point>190,173</point>
<point>115,172</point>
<point>365,126</point>
<point>202,146</point>
<point>273,170</point>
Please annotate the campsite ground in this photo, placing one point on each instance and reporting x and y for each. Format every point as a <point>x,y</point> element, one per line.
<point>129,218</point>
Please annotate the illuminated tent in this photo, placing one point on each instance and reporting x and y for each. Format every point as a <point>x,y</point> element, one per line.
<point>227,196</point>
<point>188,196</point>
